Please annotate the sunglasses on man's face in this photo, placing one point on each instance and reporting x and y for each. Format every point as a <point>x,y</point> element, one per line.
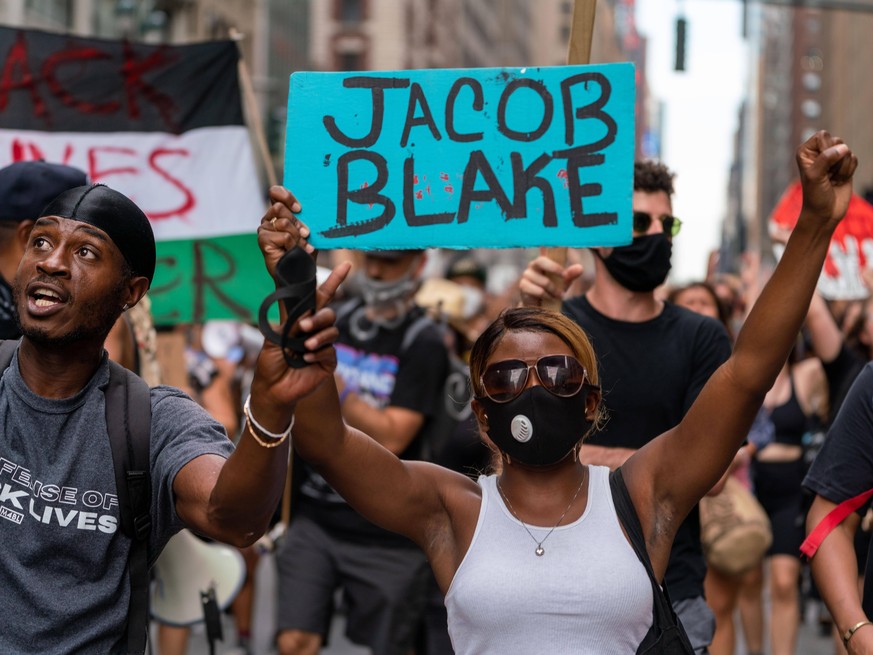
<point>643,220</point>
<point>561,375</point>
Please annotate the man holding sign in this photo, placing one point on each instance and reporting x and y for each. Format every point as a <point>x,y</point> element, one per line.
<point>654,358</point>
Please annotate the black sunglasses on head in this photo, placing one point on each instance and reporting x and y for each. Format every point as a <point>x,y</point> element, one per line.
<point>642,221</point>
<point>561,375</point>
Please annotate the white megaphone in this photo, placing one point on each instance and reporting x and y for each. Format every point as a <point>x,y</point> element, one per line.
<point>188,566</point>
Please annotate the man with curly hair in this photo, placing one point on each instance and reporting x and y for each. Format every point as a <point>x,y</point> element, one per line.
<point>654,359</point>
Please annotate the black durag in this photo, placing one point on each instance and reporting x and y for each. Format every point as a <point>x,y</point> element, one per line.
<point>115,214</point>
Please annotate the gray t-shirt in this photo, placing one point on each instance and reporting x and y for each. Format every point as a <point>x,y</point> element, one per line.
<point>65,587</point>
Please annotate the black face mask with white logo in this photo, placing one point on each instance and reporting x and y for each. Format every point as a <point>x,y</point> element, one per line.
<point>537,427</point>
<point>642,265</point>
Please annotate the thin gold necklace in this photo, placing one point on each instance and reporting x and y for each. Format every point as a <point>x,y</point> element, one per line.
<point>540,551</point>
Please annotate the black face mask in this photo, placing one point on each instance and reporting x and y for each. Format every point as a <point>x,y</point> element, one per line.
<point>642,265</point>
<point>537,427</point>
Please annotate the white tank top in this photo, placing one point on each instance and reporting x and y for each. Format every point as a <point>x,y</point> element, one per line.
<point>588,594</point>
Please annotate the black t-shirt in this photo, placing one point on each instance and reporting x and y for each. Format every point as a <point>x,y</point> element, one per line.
<point>844,466</point>
<point>8,326</point>
<point>384,372</point>
<point>650,374</point>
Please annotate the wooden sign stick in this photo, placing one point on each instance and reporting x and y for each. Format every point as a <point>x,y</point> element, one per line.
<point>578,53</point>
<point>256,127</point>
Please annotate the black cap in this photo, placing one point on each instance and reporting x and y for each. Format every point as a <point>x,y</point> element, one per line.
<point>26,187</point>
<point>467,265</point>
<point>115,214</point>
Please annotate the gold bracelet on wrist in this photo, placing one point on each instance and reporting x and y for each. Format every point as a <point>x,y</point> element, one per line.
<point>261,442</point>
<point>851,631</point>
<point>268,439</point>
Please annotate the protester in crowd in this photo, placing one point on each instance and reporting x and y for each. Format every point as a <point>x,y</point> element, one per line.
<point>731,292</point>
<point>844,352</point>
<point>701,297</point>
<point>843,471</point>
<point>392,362</point>
<point>842,355</point>
<point>793,406</point>
<point>471,275</point>
<point>491,544</point>
<point>25,189</point>
<point>726,593</point>
<point>66,581</point>
<point>639,338</point>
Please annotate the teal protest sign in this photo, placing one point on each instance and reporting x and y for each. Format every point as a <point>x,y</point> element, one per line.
<point>463,158</point>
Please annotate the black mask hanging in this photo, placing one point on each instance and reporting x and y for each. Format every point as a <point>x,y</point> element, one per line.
<point>537,427</point>
<point>642,265</point>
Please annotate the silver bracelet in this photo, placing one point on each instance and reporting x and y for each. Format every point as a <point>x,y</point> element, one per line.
<point>280,436</point>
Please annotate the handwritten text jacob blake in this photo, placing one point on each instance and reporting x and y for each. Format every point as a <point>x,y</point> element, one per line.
<point>480,182</point>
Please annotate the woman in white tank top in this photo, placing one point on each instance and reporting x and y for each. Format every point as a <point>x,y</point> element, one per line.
<point>533,559</point>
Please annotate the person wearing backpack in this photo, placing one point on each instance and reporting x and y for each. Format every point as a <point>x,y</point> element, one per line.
<point>70,542</point>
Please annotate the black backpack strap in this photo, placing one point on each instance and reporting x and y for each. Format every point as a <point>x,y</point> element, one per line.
<point>418,326</point>
<point>346,307</point>
<point>666,635</point>
<point>7,349</point>
<point>128,421</point>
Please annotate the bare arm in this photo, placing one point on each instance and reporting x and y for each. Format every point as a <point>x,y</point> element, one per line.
<point>233,500</point>
<point>408,497</point>
<point>411,498</point>
<point>671,473</point>
<point>835,569</point>
<point>811,385</point>
<point>827,339</point>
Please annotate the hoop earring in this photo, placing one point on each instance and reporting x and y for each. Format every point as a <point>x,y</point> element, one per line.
<point>575,454</point>
<point>508,458</point>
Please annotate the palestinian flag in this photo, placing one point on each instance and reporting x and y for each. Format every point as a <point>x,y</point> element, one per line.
<point>163,125</point>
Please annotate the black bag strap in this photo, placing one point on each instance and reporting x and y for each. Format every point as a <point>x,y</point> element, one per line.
<point>7,349</point>
<point>664,618</point>
<point>128,421</point>
<point>414,330</point>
